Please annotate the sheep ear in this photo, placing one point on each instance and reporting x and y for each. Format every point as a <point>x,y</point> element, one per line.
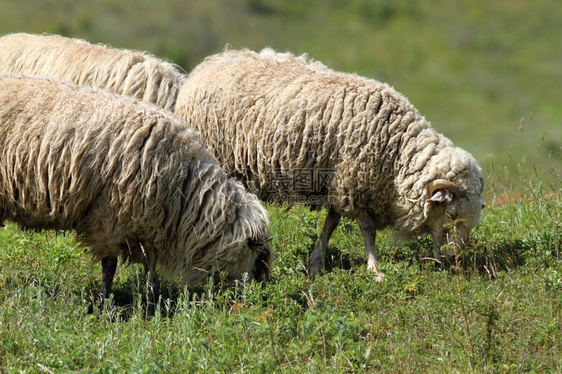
<point>441,196</point>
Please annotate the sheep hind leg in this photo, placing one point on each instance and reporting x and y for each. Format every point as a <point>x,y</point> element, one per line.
<point>108,268</point>
<point>153,287</point>
<point>316,260</point>
<point>367,227</point>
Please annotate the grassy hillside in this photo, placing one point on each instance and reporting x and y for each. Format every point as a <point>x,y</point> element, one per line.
<point>484,73</point>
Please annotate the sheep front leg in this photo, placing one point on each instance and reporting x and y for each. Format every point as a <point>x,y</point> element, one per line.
<point>108,268</point>
<point>316,260</point>
<point>367,227</point>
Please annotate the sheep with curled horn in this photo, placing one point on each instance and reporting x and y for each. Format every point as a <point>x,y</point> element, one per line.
<point>131,179</point>
<point>271,117</point>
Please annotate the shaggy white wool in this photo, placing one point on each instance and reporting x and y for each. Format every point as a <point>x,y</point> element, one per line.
<point>131,179</point>
<point>126,72</point>
<point>265,115</point>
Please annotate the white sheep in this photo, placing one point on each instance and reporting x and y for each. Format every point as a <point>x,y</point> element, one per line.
<point>131,180</point>
<point>126,72</point>
<point>295,130</point>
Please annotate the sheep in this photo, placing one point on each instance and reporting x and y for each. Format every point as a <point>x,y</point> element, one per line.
<point>295,130</point>
<point>129,178</point>
<point>122,71</point>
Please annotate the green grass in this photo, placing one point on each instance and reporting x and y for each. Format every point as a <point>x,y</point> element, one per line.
<point>501,311</point>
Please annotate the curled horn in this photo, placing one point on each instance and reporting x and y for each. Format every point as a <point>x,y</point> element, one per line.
<point>444,184</point>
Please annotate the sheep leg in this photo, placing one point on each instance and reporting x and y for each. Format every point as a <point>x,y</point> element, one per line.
<point>108,268</point>
<point>367,227</point>
<point>153,285</point>
<point>316,260</point>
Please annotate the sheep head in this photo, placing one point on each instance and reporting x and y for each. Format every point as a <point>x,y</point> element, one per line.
<point>257,262</point>
<point>263,260</point>
<point>453,213</point>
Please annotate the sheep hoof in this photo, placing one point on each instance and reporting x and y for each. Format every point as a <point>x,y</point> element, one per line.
<point>379,276</point>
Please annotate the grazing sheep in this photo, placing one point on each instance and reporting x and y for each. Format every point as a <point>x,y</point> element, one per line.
<point>295,130</point>
<point>129,178</point>
<point>122,71</point>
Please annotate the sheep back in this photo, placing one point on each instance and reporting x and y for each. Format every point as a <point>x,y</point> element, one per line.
<point>126,72</point>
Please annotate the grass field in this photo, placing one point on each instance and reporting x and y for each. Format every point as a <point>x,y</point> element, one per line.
<point>501,311</point>
<point>484,73</point>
